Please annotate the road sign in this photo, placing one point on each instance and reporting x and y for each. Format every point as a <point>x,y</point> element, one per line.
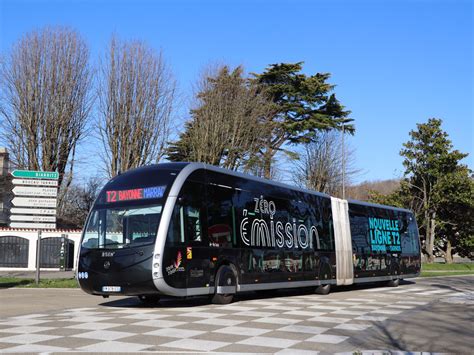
<point>32,182</point>
<point>46,211</point>
<point>31,174</point>
<point>34,202</point>
<point>33,225</point>
<point>35,191</point>
<point>26,218</point>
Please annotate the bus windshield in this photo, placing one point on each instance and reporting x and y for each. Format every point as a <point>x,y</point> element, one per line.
<point>115,228</point>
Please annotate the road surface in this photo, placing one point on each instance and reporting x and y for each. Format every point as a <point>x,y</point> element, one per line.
<point>429,315</point>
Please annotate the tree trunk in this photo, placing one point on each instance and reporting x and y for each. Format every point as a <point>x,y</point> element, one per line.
<point>267,165</point>
<point>428,249</point>
<point>449,253</point>
<point>431,238</point>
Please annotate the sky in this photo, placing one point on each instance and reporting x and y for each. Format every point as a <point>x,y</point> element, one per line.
<point>394,63</point>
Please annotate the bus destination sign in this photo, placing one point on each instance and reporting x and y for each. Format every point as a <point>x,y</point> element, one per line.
<point>135,194</point>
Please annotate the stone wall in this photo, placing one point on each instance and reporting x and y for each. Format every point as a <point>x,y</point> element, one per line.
<point>32,236</point>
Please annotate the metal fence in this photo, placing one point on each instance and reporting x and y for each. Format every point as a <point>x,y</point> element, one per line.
<point>13,251</point>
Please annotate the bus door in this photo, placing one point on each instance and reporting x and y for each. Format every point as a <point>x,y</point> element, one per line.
<point>192,215</point>
<point>221,224</point>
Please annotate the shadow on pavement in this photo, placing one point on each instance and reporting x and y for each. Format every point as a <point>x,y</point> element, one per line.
<point>14,283</point>
<point>170,302</point>
<point>431,329</point>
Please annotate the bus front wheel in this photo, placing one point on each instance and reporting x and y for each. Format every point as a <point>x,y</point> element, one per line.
<point>393,283</point>
<point>226,285</point>
<point>323,289</point>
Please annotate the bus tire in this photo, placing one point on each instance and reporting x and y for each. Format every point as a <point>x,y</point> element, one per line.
<point>396,281</point>
<point>323,289</point>
<point>222,299</point>
<point>393,283</point>
<point>149,299</point>
<point>225,279</point>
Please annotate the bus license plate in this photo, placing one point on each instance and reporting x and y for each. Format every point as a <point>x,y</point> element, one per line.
<point>111,289</point>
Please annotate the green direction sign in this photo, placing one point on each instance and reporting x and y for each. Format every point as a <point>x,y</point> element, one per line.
<point>31,174</point>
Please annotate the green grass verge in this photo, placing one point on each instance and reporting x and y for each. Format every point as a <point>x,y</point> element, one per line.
<point>6,282</point>
<point>445,273</point>
<point>448,267</point>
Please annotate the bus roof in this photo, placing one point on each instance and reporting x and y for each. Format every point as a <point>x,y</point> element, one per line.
<point>190,167</point>
<point>370,204</point>
<point>196,166</point>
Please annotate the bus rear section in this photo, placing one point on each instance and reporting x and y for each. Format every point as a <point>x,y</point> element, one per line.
<point>385,243</point>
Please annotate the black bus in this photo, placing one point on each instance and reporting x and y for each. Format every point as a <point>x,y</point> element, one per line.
<point>186,229</point>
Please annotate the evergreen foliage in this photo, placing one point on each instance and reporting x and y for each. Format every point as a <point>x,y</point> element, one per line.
<point>289,106</point>
<point>439,189</point>
<point>305,106</point>
<point>228,123</point>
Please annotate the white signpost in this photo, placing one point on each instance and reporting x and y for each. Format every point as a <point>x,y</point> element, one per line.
<point>32,225</point>
<point>37,208</point>
<point>34,199</point>
<point>35,191</point>
<point>32,182</point>
<point>29,218</point>
<point>34,202</point>
<point>41,211</point>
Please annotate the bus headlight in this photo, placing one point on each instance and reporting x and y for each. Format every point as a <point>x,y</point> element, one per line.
<point>157,256</point>
<point>156,265</point>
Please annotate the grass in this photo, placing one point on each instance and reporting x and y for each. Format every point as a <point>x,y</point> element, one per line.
<point>448,267</point>
<point>442,269</point>
<point>7,282</point>
<point>445,273</point>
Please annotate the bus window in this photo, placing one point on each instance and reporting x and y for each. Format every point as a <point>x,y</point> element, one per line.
<point>220,216</point>
<point>185,225</point>
<point>141,224</point>
<point>190,223</point>
<point>409,235</point>
<point>186,221</point>
<point>93,231</point>
<point>175,234</point>
<point>120,227</point>
<point>320,220</point>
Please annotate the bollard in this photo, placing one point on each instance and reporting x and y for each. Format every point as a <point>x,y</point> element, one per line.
<point>38,257</point>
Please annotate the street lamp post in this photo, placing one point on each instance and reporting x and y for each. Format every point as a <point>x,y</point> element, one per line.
<point>343,165</point>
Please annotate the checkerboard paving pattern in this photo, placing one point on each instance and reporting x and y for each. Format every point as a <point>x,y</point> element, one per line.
<point>301,324</point>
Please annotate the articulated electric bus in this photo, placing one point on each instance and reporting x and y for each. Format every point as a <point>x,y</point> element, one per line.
<point>186,229</point>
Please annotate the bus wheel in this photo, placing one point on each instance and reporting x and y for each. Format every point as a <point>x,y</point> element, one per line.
<point>323,289</point>
<point>393,283</point>
<point>149,299</point>
<point>226,285</point>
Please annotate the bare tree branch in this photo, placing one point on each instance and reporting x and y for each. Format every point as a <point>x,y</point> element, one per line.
<point>320,166</point>
<point>228,121</point>
<point>46,99</point>
<point>136,93</point>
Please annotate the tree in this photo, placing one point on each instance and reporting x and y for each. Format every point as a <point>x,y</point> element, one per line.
<point>320,166</point>
<point>439,189</point>
<point>305,106</point>
<point>78,202</point>
<point>454,196</point>
<point>46,100</point>
<point>136,93</point>
<point>228,123</point>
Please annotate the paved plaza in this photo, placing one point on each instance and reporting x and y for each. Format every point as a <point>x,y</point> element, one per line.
<point>350,319</point>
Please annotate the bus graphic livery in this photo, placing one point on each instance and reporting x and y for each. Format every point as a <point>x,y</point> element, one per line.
<point>185,229</point>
